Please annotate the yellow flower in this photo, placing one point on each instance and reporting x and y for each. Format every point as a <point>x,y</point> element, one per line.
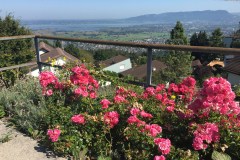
<point>49,59</point>
<point>173,97</point>
<point>53,62</point>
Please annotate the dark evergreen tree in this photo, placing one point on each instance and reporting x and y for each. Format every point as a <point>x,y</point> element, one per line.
<point>72,49</point>
<point>13,52</point>
<point>200,39</point>
<point>236,40</point>
<point>178,34</point>
<point>58,44</point>
<point>104,54</point>
<point>216,39</point>
<point>235,44</point>
<point>83,55</point>
<point>178,62</point>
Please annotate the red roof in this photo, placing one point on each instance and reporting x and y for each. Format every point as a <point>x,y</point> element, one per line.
<point>113,60</point>
<point>140,72</point>
<point>233,66</point>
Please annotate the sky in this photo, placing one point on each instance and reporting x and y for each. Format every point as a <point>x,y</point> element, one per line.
<point>106,9</point>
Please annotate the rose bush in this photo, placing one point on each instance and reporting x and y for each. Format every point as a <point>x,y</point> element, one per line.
<point>175,122</point>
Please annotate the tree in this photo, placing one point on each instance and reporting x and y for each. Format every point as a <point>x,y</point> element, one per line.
<point>177,34</point>
<point>178,62</point>
<point>216,39</point>
<point>83,55</point>
<point>236,42</point>
<point>104,54</point>
<point>72,49</point>
<point>58,44</point>
<point>13,52</point>
<point>200,39</point>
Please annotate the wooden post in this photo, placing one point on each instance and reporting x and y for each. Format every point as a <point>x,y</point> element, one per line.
<point>38,55</point>
<point>149,67</point>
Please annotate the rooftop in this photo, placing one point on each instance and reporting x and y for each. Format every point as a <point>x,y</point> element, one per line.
<point>140,72</point>
<point>113,60</point>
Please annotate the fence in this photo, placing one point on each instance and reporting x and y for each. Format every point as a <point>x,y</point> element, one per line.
<point>147,46</point>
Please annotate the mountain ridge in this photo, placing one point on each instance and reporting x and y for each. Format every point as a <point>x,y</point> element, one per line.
<point>208,16</point>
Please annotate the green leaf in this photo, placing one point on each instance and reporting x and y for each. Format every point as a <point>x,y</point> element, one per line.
<point>220,156</point>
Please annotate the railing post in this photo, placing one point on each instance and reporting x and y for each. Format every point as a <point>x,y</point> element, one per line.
<point>38,54</point>
<point>149,66</point>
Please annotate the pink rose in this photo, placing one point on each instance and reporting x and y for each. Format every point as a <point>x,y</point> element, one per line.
<point>53,134</point>
<point>111,118</point>
<point>135,111</point>
<point>164,145</point>
<point>78,119</point>
<point>159,157</point>
<point>49,92</point>
<point>145,114</point>
<point>105,103</point>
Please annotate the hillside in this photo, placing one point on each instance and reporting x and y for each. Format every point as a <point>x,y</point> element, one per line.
<point>208,16</point>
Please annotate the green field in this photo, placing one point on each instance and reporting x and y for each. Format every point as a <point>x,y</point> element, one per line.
<point>116,36</point>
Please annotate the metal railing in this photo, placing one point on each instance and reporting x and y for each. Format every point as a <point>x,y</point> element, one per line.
<point>148,46</point>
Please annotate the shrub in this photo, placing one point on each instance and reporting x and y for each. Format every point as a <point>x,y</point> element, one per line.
<point>177,122</point>
<point>25,105</point>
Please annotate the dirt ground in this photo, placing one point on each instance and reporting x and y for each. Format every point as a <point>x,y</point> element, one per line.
<point>21,147</point>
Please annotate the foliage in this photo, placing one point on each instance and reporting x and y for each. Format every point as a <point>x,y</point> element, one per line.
<point>201,73</point>
<point>13,52</point>
<point>235,44</point>
<point>178,33</point>
<point>202,39</point>
<point>81,54</point>
<point>178,62</point>
<point>104,54</point>
<point>5,138</point>
<point>58,44</point>
<point>220,156</point>
<point>216,39</point>
<point>25,105</point>
<point>178,122</point>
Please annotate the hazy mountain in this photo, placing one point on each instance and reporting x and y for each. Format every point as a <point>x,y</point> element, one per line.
<point>238,13</point>
<point>208,16</point>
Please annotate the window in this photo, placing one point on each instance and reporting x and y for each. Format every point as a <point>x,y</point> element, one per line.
<point>122,67</point>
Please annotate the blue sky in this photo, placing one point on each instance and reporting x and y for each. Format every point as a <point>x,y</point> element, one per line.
<point>107,9</point>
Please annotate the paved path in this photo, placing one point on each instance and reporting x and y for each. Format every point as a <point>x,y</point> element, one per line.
<point>20,147</point>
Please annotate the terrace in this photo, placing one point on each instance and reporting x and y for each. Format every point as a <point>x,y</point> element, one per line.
<point>84,125</point>
<point>149,48</point>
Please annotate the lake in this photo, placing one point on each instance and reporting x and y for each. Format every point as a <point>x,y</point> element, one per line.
<point>75,25</point>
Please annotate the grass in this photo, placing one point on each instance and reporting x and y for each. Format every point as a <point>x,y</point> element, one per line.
<point>5,138</point>
<point>116,36</point>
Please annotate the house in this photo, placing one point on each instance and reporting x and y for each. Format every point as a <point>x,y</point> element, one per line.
<point>196,63</point>
<point>58,55</point>
<point>117,64</point>
<point>233,69</point>
<point>140,72</point>
<point>228,43</point>
<point>232,62</point>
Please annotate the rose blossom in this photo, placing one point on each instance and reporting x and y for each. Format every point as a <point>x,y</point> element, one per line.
<point>145,114</point>
<point>53,134</point>
<point>164,145</point>
<point>105,103</point>
<point>208,133</point>
<point>119,99</point>
<point>159,157</point>
<point>78,119</point>
<point>111,118</point>
<point>135,111</point>
<point>49,92</point>
<point>46,78</point>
